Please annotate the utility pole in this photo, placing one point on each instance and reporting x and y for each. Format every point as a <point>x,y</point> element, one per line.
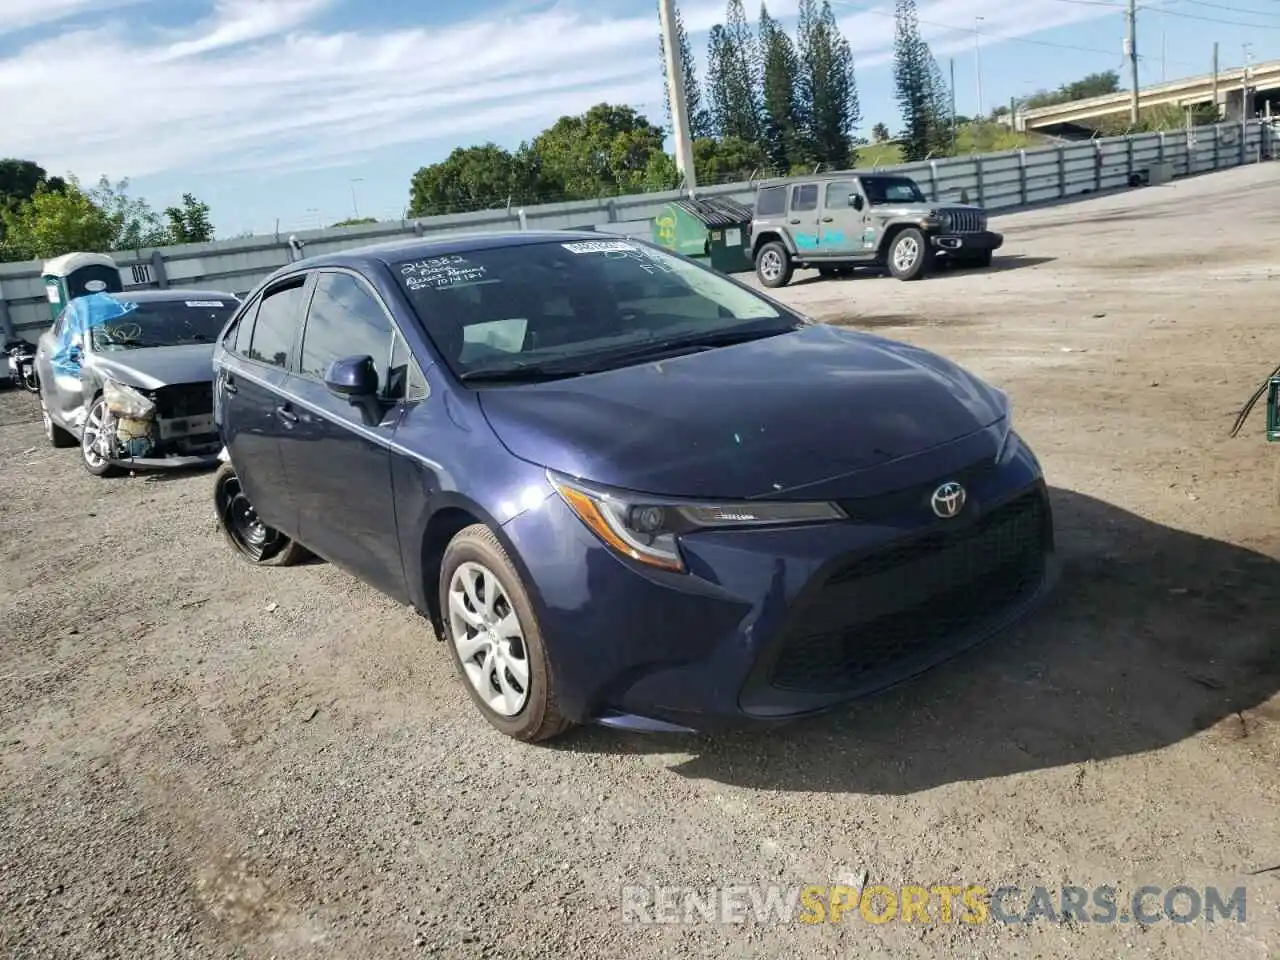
<point>1244,82</point>
<point>977,61</point>
<point>676,92</point>
<point>1131,50</point>
<point>1217,114</point>
<point>953,106</point>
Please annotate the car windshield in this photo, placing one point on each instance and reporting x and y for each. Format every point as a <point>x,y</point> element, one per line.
<point>892,190</point>
<point>554,309</point>
<point>164,323</point>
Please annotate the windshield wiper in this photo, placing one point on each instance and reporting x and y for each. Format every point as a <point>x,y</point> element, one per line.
<point>674,346</point>
<point>526,372</point>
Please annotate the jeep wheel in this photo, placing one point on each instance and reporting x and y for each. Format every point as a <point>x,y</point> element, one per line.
<point>910,256</point>
<point>773,265</point>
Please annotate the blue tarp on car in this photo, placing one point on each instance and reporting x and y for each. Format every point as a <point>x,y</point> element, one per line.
<point>82,315</point>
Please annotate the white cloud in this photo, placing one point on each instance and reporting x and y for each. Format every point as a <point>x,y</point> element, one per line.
<point>257,85</point>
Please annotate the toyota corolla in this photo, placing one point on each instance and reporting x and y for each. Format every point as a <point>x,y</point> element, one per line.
<point>624,488</point>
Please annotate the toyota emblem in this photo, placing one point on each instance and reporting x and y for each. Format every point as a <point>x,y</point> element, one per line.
<point>948,500</point>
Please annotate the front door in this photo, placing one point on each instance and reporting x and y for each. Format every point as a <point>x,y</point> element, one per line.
<point>841,222</point>
<point>336,458</point>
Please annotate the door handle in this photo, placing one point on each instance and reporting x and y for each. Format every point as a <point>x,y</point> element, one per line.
<point>795,221</point>
<point>828,219</point>
<point>229,384</point>
<point>287,415</point>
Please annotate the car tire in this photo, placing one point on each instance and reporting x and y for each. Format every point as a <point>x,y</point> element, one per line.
<point>773,265</point>
<point>56,436</point>
<point>93,461</point>
<point>506,671</point>
<point>253,540</point>
<point>909,255</point>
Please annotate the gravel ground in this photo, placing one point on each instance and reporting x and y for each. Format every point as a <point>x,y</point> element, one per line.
<point>203,759</point>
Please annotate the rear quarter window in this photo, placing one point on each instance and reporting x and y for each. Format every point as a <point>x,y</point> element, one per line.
<point>771,202</point>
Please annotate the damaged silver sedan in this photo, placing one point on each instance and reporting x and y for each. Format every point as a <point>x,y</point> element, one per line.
<point>128,377</point>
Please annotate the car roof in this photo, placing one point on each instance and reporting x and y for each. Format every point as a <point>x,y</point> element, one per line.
<point>155,294</point>
<point>842,175</point>
<point>411,248</point>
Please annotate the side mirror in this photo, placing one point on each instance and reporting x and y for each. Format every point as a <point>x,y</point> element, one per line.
<point>855,201</point>
<point>356,378</point>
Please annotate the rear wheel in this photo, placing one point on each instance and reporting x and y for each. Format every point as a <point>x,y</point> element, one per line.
<point>494,638</point>
<point>773,265</point>
<point>56,436</point>
<point>96,442</point>
<point>244,530</point>
<point>910,256</point>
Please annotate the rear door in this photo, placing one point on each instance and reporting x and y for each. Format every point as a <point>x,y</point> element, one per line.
<point>61,390</point>
<point>249,385</point>
<point>802,217</point>
<point>338,462</point>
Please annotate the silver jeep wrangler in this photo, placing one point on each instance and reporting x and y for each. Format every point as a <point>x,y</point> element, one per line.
<point>836,223</point>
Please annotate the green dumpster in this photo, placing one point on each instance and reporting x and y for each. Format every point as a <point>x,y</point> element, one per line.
<point>76,274</point>
<point>716,228</point>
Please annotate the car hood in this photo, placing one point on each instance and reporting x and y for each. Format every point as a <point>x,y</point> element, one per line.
<point>755,419</point>
<point>149,368</point>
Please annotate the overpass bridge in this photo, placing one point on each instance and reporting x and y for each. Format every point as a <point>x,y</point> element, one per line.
<point>1228,88</point>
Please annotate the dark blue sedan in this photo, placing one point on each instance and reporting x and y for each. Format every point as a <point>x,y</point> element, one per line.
<point>624,488</point>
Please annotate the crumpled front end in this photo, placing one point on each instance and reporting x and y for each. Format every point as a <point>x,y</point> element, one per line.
<point>166,427</point>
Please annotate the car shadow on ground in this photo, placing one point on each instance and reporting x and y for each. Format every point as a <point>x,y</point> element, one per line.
<point>999,264</point>
<point>1152,635</point>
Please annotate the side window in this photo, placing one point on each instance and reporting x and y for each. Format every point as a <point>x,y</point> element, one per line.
<point>276,325</point>
<point>804,196</point>
<point>344,321</point>
<point>238,337</point>
<point>838,194</point>
<point>405,380</point>
<point>771,202</point>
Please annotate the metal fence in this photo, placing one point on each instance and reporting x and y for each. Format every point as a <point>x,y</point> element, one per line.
<point>996,181</point>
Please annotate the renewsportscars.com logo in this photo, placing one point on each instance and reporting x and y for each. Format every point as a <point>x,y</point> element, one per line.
<point>971,904</point>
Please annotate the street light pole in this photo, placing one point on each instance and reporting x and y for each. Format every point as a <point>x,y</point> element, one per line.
<point>977,60</point>
<point>355,208</point>
<point>676,93</point>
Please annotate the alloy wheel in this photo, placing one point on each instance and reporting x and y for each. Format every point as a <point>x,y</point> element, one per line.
<point>94,439</point>
<point>905,252</point>
<point>770,265</point>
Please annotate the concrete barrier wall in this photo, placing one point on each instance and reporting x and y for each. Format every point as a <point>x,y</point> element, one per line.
<point>996,181</point>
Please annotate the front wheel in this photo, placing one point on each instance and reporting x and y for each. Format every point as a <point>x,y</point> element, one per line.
<point>96,442</point>
<point>243,528</point>
<point>909,255</point>
<point>494,638</point>
<point>773,265</point>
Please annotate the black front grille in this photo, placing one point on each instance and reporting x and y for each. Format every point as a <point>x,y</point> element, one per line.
<point>914,499</point>
<point>879,615</point>
<point>184,400</point>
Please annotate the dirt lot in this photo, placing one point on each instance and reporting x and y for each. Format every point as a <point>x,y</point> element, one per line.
<point>202,759</point>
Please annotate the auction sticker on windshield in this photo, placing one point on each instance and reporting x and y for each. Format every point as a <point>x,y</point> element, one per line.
<point>600,246</point>
<point>205,303</point>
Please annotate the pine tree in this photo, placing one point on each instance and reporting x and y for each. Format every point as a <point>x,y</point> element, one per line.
<point>782,121</point>
<point>829,89</point>
<point>699,117</point>
<point>733,76</point>
<point>923,96</point>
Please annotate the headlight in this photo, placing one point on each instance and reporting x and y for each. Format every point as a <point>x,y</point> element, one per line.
<point>946,221</point>
<point>126,401</point>
<point>647,528</point>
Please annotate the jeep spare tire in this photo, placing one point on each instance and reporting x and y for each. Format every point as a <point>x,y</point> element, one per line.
<point>909,255</point>
<point>773,264</point>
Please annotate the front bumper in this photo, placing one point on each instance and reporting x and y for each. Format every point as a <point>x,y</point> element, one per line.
<point>962,243</point>
<point>774,624</point>
<point>176,462</point>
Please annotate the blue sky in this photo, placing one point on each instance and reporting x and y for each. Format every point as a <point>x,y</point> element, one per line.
<point>281,110</point>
